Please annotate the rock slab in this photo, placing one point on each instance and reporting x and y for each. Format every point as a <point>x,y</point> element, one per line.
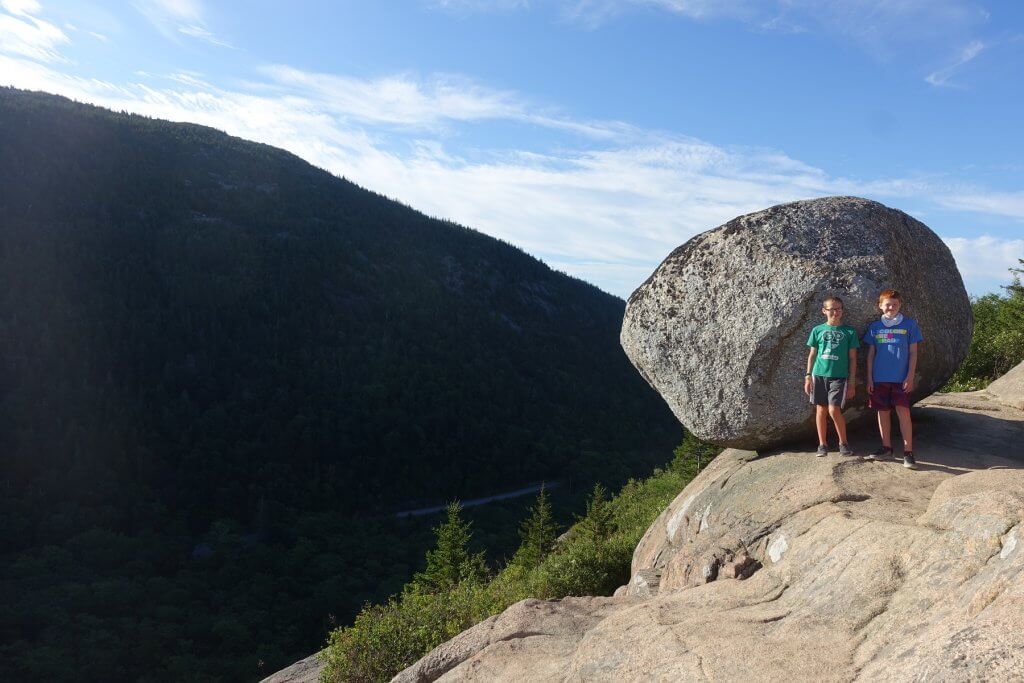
<point>720,328</point>
<point>789,567</point>
<point>1009,389</point>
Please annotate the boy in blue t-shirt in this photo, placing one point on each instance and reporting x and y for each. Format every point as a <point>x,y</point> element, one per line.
<point>892,361</point>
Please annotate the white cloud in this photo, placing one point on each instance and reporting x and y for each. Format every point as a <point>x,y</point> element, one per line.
<point>1008,204</point>
<point>402,100</point>
<point>984,261</point>
<point>881,28</point>
<point>398,99</point>
<point>22,33</point>
<point>608,212</point>
<point>21,7</point>
<point>182,10</point>
<point>196,31</point>
<point>174,18</point>
<point>941,77</point>
<point>480,5</point>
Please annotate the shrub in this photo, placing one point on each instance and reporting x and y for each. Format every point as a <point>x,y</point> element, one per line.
<point>593,558</point>
<point>997,344</point>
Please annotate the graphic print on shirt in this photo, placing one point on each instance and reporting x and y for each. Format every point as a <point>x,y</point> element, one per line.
<point>888,336</point>
<point>830,340</point>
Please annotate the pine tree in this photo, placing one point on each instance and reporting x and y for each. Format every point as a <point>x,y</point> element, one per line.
<point>597,524</point>
<point>450,562</point>
<point>692,455</point>
<point>538,533</point>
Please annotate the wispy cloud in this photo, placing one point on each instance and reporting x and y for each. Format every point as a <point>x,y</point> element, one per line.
<point>175,18</point>
<point>881,28</point>
<point>23,33</point>
<point>978,200</point>
<point>986,259</point>
<point>21,7</point>
<point>398,99</point>
<point>941,77</point>
<point>202,33</point>
<point>403,100</point>
<point>479,5</point>
<point>608,210</point>
<point>596,12</point>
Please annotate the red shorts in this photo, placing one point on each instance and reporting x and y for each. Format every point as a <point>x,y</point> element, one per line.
<point>888,395</point>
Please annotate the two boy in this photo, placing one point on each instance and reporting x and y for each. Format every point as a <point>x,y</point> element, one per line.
<point>892,361</point>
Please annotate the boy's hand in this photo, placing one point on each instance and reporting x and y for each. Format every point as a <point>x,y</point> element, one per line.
<point>851,391</point>
<point>807,385</point>
<point>871,387</point>
<point>908,386</point>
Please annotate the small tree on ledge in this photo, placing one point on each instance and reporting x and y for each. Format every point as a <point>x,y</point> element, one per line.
<point>538,533</point>
<point>450,562</point>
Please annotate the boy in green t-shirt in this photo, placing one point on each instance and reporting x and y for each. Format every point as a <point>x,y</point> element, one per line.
<point>831,373</point>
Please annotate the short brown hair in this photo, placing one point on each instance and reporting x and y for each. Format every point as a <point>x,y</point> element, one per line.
<point>889,294</point>
<point>831,298</point>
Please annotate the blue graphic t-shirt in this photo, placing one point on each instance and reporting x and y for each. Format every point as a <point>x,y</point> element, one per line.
<point>892,349</point>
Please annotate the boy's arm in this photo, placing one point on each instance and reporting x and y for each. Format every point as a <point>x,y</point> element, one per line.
<point>851,385</point>
<point>908,384</point>
<point>811,353</point>
<point>871,363</point>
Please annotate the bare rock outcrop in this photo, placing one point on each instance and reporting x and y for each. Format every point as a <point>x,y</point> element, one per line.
<point>719,329</point>
<point>788,567</point>
<point>1009,389</point>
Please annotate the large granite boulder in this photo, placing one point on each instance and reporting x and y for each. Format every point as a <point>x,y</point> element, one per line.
<point>720,328</point>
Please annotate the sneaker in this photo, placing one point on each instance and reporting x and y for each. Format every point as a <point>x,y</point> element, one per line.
<point>844,449</point>
<point>883,452</point>
<point>908,460</point>
<point>822,450</point>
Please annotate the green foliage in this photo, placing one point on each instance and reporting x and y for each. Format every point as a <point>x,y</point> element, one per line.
<point>998,341</point>
<point>222,368</point>
<point>450,562</point>
<point>538,533</point>
<point>592,558</point>
<point>598,522</point>
<point>386,638</point>
<point>692,455</point>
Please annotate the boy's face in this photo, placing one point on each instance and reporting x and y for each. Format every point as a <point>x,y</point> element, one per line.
<point>889,307</point>
<point>833,311</point>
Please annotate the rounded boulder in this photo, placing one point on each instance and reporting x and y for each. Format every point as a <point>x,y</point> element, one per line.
<point>720,328</point>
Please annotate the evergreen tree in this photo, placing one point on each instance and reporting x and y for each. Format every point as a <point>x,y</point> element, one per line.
<point>450,562</point>
<point>538,532</point>
<point>692,455</point>
<point>597,524</point>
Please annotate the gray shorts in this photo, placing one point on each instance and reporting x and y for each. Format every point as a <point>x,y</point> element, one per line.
<point>828,391</point>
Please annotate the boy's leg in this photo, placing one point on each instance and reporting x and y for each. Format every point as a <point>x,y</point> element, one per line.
<point>906,427</point>
<point>885,427</point>
<point>821,422</point>
<point>837,417</point>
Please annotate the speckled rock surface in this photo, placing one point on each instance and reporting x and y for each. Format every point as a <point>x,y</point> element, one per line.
<point>303,671</point>
<point>720,328</point>
<point>1009,389</point>
<point>850,570</point>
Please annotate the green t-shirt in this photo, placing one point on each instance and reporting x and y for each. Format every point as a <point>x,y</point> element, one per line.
<point>833,344</point>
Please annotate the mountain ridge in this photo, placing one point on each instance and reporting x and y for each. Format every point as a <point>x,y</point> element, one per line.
<point>208,340</point>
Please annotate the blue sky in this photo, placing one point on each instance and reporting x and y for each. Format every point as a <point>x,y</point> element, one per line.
<point>597,135</point>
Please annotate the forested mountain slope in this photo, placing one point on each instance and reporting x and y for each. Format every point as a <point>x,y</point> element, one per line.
<point>202,336</point>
